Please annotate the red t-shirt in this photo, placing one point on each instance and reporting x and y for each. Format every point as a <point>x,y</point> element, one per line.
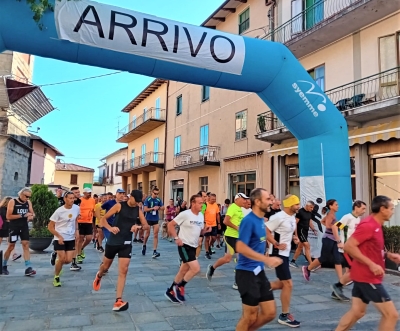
<point>370,236</point>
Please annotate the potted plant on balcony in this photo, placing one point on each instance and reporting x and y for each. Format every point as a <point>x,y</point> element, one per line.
<point>261,123</point>
<point>44,203</point>
<point>392,244</point>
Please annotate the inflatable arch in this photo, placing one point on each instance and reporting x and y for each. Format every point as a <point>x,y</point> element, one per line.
<point>96,34</point>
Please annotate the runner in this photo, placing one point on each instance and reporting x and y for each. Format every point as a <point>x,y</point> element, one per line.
<point>350,221</point>
<point>191,224</point>
<point>247,208</point>
<point>99,214</point>
<point>258,302</point>
<point>74,266</point>
<point>85,223</point>
<point>109,204</point>
<point>224,209</point>
<point>5,229</point>
<point>127,216</point>
<point>64,225</point>
<point>19,213</point>
<point>152,206</point>
<point>94,233</point>
<point>281,229</point>
<point>304,223</point>
<point>170,214</point>
<point>275,208</point>
<point>204,196</point>
<point>366,246</point>
<point>211,217</point>
<point>233,218</point>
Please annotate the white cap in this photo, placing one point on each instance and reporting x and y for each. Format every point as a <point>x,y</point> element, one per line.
<point>241,195</point>
<point>87,190</point>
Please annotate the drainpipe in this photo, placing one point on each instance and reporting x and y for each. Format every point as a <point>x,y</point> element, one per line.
<point>271,17</point>
<point>165,141</point>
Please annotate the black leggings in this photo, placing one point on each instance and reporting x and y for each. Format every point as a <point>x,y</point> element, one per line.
<point>329,250</point>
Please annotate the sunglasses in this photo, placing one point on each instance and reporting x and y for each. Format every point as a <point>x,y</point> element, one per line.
<point>27,196</point>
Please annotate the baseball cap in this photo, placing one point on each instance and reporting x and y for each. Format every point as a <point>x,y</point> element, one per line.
<point>87,190</point>
<point>120,190</point>
<point>137,195</point>
<point>241,195</point>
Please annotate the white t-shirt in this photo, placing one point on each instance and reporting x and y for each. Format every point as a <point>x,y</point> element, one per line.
<point>65,220</point>
<point>351,222</point>
<point>190,226</point>
<point>246,211</point>
<point>283,226</point>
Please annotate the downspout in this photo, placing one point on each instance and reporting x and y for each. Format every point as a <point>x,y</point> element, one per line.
<point>165,141</point>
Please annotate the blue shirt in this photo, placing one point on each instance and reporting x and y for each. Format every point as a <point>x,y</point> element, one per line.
<point>252,233</point>
<point>150,203</point>
<point>107,206</point>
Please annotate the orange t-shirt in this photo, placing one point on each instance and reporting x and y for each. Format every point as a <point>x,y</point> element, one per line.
<point>87,208</point>
<point>211,213</point>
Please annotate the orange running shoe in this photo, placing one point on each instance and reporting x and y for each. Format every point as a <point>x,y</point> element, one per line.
<point>97,282</point>
<point>120,305</point>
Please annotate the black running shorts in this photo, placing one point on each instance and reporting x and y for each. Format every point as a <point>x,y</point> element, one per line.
<point>212,233</point>
<point>123,251</point>
<point>302,233</point>
<point>282,271</point>
<point>69,245</point>
<point>253,289</point>
<point>330,249</point>
<point>18,230</point>
<point>85,229</point>
<point>187,253</point>
<point>152,223</point>
<point>230,246</point>
<point>370,292</point>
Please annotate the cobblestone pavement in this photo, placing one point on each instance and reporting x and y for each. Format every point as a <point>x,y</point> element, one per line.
<point>34,304</point>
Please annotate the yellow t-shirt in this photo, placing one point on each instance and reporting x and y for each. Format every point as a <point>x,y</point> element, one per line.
<point>236,215</point>
<point>102,212</point>
<point>210,215</point>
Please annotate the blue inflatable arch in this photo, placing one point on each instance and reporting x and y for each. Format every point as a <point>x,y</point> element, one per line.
<point>95,34</point>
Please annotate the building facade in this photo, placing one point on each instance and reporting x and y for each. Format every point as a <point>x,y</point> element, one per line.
<point>70,174</point>
<point>108,172</point>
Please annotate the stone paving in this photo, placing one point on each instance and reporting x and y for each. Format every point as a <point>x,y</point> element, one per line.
<point>34,304</point>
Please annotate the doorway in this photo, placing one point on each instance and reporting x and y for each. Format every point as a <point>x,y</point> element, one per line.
<point>242,183</point>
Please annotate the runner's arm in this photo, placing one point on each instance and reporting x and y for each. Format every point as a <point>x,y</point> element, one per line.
<point>351,248</point>
<point>312,225</point>
<point>143,220</point>
<point>114,210</point>
<point>227,222</point>
<point>295,230</point>
<point>335,231</point>
<point>171,228</point>
<point>52,229</point>
<point>10,208</point>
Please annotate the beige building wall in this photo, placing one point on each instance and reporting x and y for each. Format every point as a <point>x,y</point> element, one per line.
<point>119,157</point>
<point>148,139</point>
<point>64,178</point>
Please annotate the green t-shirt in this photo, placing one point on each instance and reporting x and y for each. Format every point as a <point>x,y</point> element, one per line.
<point>203,208</point>
<point>236,215</point>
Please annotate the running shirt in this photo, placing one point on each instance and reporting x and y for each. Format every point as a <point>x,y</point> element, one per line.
<point>102,212</point>
<point>351,222</point>
<point>87,209</point>
<point>20,208</point>
<point>369,235</point>
<point>150,203</point>
<point>210,214</point>
<point>328,231</point>
<point>252,233</point>
<point>190,226</point>
<point>282,225</point>
<point>107,206</point>
<point>246,211</point>
<point>65,222</point>
<point>77,202</point>
<point>170,213</point>
<point>204,208</point>
<point>236,215</point>
<point>304,217</point>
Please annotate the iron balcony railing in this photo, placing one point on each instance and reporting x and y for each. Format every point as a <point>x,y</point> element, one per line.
<point>142,160</point>
<point>268,122</point>
<point>309,18</point>
<point>149,114</point>
<point>378,87</point>
<point>195,155</point>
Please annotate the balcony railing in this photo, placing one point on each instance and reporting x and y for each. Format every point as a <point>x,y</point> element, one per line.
<point>268,122</point>
<point>141,161</point>
<point>309,18</point>
<point>378,87</point>
<point>196,155</point>
<point>150,114</point>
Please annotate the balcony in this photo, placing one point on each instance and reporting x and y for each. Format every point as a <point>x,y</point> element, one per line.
<point>327,21</point>
<point>197,157</point>
<point>271,129</point>
<point>148,121</point>
<point>147,162</point>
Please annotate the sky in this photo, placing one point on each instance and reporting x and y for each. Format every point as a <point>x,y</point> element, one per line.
<point>85,123</point>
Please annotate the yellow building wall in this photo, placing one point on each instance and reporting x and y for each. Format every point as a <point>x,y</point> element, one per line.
<point>64,178</point>
<point>148,139</point>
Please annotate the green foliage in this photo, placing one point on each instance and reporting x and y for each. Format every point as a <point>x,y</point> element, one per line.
<point>392,238</point>
<point>44,203</point>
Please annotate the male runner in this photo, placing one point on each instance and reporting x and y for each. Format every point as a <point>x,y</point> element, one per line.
<point>152,206</point>
<point>19,213</point>
<point>254,288</point>
<point>85,223</point>
<point>247,208</point>
<point>108,205</point>
<point>304,223</point>
<point>281,229</point>
<point>367,248</point>
<point>191,223</point>
<point>204,196</point>
<point>60,198</point>
<point>99,214</point>
<point>275,207</point>
<point>221,230</point>
<point>233,218</point>
<point>64,225</point>
<point>212,218</point>
<point>127,217</point>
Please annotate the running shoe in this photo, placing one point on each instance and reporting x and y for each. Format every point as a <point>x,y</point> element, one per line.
<point>135,241</point>
<point>208,256</point>
<point>179,292</point>
<point>56,282</point>
<point>210,272</point>
<point>97,282</point>
<point>30,272</point>
<point>339,293</point>
<point>82,254</point>
<point>94,243</point>
<point>144,250</point>
<point>293,264</point>
<point>218,246</point>
<point>170,240</point>
<point>140,241</point>
<point>53,258</point>
<point>156,254</point>
<point>74,267</point>
<point>100,249</point>
<point>79,259</point>
<point>306,273</point>
<point>170,295</point>
<point>288,320</point>
<point>4,270</point>
<point>212,250</point>
<point>333,296</point>
<point>120,305</point>
<point>16,256</point>
<point>234,286</point>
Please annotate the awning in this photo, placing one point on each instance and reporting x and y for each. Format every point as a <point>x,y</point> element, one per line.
<point>360,136</point>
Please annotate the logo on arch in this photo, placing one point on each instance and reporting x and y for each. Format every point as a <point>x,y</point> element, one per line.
<point>309,89</point>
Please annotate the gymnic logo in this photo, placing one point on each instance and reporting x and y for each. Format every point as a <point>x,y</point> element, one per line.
<point>303,96</point>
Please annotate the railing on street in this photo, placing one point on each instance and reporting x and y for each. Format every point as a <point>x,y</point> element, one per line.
<point>142,160</point>
<point>267,122</point>
<point>149,114</point>
<point>198,154</point>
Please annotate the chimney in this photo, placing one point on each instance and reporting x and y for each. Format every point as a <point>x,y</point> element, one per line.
<point>58,161</point>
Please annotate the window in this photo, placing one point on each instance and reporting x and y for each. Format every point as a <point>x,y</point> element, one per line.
<point>45,151</point>
<point>155,150</point>
<point>15,175</point>
<point>143,157</point>
<point>205,93</point>
<point>179,105</point>
<point>158,108</point>
<point>140,186</point>
<point>318,74</point>
<point>74,179</point>
<point>204,184</point>
<point>132,158</point>
<point>242,183</point>
<point>241,125</point>
<point>144,114</point>
<point>388,57</point>
<point>116,167</point>
<point>177,145</point>
<point>133,123</point>
<point>152,185</point>
<point>123,165</point>
<point>112,170</point>
<point>204,139</point>
<point>244,21</point>
<point>108,171</point>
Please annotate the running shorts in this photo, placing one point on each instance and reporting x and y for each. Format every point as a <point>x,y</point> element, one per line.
<point>85,229</point>
<point>370,292</point>
<point>253,289</point>
<point>18,230</point>
<point>187,253</point>
<point>302,233</point>
<point>329,250</point>
<point>230,246</point>
<point>69,245</point>
<point>123,251</point>
<point>283,270</point>
<point>212,233</point>
<point>152,223</point>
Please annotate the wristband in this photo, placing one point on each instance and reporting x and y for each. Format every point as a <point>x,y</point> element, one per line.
<point>176,238</point>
